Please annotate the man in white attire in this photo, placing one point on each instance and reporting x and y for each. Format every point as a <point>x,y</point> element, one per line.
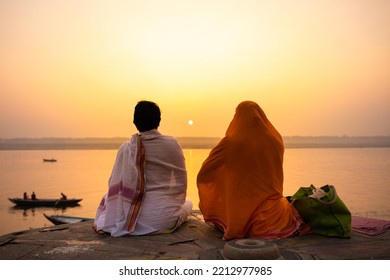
<point>148,183</point>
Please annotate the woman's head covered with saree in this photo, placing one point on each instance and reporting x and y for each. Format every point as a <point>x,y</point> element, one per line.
<point>240,184</point>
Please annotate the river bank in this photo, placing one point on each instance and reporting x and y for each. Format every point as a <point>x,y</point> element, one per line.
<point>195,240</point>
<point>113,143</point>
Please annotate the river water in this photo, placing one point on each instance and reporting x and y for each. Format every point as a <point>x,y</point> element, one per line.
<point>360,175</point>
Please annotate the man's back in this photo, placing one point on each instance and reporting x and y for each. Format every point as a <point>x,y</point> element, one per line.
<point>166,183</point>
<point>148,183</point>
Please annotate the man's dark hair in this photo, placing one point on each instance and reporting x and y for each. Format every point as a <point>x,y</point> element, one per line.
<point>147,116</point>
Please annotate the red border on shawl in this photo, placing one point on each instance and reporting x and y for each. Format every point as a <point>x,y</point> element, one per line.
<point>140,189</point>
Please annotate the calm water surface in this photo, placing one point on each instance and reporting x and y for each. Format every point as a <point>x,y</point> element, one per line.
<point>361,177</point>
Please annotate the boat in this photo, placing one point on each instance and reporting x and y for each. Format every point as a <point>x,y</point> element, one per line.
<point>49,160</point>
<point>45,202</point>
<point>60,220</point>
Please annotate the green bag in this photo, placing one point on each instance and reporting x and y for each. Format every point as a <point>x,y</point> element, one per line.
<point>323,210</point>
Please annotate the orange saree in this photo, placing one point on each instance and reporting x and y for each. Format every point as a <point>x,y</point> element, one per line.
<point>240,184</point>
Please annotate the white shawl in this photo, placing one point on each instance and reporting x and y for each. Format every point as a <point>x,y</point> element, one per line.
<point>120,206</point>
<point>146,197</point>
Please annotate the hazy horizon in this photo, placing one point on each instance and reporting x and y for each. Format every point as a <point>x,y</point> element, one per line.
<point>219,137</point>
<point>188,142</point>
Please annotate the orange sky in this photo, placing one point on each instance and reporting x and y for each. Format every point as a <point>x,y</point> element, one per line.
<point>77,68</point>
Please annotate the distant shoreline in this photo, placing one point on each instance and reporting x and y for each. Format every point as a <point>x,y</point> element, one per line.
<point>188,142</point>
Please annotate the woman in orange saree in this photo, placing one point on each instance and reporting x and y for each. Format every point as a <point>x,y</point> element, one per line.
<point>240,184</point>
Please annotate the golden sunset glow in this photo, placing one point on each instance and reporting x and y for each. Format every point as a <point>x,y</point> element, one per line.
<point>77,68</point>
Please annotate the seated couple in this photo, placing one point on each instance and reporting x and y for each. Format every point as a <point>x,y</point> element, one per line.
<point>240,184</point>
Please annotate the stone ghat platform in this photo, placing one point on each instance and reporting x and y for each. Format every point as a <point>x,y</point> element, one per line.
<point>195,240</point>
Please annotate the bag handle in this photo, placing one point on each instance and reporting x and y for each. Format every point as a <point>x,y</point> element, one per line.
<point>328,202</point>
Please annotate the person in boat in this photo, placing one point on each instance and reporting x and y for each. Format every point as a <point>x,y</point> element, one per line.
<point>148,184</point>
<point>25,196</point>
<point>63,196</point>
<point>33,196</point>
<point>240,184</point>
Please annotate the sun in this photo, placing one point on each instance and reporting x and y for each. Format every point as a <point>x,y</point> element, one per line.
<point>190,122</point>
